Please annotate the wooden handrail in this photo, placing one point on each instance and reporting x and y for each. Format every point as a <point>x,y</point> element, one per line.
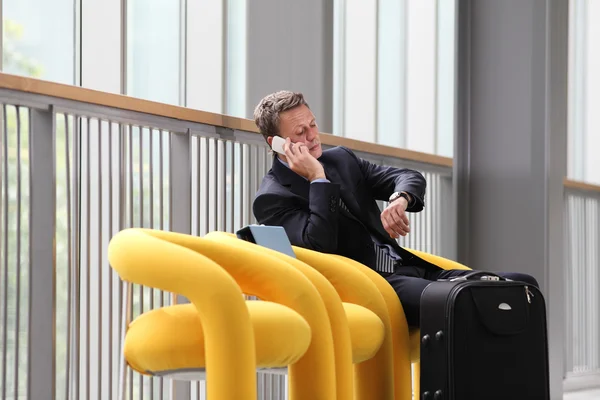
<point>90,96</point>
<point>582,186</point>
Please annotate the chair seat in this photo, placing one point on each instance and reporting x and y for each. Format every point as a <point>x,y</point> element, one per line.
<point>366,332</point>
<point>170,340</point>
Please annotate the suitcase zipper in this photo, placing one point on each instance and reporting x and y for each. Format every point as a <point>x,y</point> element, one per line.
<point>529,294</point>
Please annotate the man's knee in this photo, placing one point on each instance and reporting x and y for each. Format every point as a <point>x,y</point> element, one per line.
<point>521,277</point>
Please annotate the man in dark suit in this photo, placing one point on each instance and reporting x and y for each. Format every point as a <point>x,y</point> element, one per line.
<point>326,201</point>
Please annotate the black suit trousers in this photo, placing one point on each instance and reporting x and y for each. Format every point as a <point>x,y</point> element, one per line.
<point>409,283</point>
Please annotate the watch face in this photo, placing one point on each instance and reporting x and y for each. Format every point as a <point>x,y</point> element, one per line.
<point>394,196</point>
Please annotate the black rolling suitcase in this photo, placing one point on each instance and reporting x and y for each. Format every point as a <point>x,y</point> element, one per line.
<point>483,338</point>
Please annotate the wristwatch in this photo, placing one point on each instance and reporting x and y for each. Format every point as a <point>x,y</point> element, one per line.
<point>397,195</point>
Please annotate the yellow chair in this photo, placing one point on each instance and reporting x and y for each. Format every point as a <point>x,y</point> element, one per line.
<point>357,332</point>
<point>219,331</point>
<point>374,378</point>
<point>268,278</point>
<point>406,342</point>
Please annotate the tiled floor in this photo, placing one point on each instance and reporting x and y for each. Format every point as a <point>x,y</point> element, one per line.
<point>583,395</point>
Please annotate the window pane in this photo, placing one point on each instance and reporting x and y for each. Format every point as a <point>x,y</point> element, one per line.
<point>584,85</point>
<point>153,50</point>
<point>394,73</point>
<point>39,39</point>
<point>420,75</point>
<point>592,67</point>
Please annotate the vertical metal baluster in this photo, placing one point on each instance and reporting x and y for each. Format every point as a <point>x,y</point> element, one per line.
<point>255,170</point>
<point>232,187</point>
<point>122,224</point>
<point>585,289</point>
<point>575,283</point>
<point>131,224</point>
<point>100,264</point>
<point>141,195</point>
<point>580,277</point>
<point>126,318</point>
<point>110,270</point>
<point>69,257</point>
<point>215,181</point>
<point>583,279</point>
<point>223,178</point>
<point>421,227</point>
<point>436,233</point>
<point>151,215</point>
<point>240,192</point>
<point>130,171</point>
<point>18,254</point>
<point>77,253</point>
<point>255,181</point>
<point>5,293</point>
<point>199,204</point>
<point>161,223</point>
<point>141,175</point>
<point>206,185</point>
<point>246,183</point>
<point>88,185</point>
<point>431,225</point>
<point>151,188</point>
<point>590,286</point>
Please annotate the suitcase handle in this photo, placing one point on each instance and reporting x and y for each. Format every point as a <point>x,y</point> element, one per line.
<point>481,275</point>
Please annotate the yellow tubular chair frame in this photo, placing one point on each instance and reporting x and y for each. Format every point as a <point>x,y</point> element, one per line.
<point>269,278</point>
<point>343,353</point>
<point>406,341</point>
<point>143,257</point>
<point>333,303</point>
<point>374,378</point>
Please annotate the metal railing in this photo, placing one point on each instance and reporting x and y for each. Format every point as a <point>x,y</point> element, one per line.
<point>582,279</point>
<point>74,172</point>
<point>78,166</point>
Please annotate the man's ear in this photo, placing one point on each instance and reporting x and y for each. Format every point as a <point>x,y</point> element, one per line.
<point>270,141</point>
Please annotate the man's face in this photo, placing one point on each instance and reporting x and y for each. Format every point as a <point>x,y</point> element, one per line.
<point>300,126</point>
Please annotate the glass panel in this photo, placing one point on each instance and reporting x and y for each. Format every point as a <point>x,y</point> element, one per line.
<point>394,73</point>
<point>153,50</point>
<point>391,73</point>
<point>592,88</point>
<point>446,25</point>
<point>584,85</point>
<point>39,39</point>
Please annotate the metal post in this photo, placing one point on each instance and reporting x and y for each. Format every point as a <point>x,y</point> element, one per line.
<point>181,211</point>
<point>42,296</point>
<point>510,153</point>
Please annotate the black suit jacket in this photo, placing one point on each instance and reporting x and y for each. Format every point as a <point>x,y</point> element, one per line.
<point>312,218</point>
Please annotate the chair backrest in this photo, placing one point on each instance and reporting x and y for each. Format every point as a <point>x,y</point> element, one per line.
<point>165,262</point>
<point>339,324</point>
<point>272,279</point>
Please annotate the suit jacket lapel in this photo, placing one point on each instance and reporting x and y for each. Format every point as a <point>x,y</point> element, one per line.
<point>289,178</point>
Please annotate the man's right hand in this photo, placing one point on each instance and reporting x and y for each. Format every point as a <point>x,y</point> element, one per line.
<point>302,162</point>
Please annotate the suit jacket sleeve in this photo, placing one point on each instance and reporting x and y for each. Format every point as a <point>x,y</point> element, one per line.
<point>314,228</point>
<point>384,181</point>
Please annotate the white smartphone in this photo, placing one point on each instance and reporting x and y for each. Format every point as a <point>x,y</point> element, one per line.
<point>277,144</point>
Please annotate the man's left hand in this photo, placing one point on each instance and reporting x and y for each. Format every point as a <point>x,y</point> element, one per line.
<point>394,218</point>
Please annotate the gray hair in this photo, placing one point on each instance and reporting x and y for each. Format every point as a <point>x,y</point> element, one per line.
<point>266,113</point>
